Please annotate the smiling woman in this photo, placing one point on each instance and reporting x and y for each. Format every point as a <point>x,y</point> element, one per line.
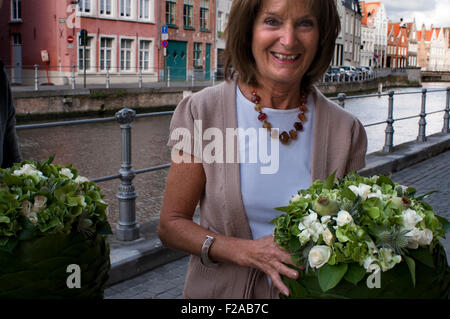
<point>278,49</point>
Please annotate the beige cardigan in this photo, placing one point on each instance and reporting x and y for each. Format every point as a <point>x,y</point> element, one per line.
<point>339,144</point>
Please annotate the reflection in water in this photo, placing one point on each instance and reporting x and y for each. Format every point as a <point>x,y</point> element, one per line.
<point>94,149</point>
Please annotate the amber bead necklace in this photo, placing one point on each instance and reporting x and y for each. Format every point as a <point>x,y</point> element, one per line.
<point>284,136</point>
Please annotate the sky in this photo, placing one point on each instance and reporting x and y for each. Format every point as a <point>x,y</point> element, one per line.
<point>436,12</point>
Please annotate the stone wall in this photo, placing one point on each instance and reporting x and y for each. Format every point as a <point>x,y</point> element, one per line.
<point>65,103</point>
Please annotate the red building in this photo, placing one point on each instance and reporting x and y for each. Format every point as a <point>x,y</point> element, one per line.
<point>397,45</point>
<point>122,37</point>
<point>191,29</point>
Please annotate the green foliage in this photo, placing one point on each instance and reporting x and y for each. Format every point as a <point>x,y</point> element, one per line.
<point>41,198</point>
<point>373,225</point>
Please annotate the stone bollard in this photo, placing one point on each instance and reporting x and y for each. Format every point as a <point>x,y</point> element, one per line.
<point>127,229</point>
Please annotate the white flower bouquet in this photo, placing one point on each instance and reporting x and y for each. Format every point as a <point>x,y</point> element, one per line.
<point>50,218</point>
<point>363,237</point>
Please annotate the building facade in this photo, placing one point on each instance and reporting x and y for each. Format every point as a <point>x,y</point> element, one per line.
<point>438,50</point>
<point>122,38</point>
<point>423,52</point>
<point>376,16</point>
<point>191,28</point>
<point>223,8</point>
<point>368,32</point>
<point>352,32</point>
<point>338,57</point>
<point>413,46</point>
<point>397,51</point>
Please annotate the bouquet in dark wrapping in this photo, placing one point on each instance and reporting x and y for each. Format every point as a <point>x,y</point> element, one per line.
<point>364,237</point>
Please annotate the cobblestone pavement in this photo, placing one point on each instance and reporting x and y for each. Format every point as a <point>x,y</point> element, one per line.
<point>166,282</point>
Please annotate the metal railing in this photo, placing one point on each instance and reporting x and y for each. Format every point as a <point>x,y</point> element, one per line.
<point>128,230</point>
<point>73,77</point>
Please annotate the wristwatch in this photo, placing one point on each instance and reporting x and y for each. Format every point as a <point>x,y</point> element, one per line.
<point>205,251</point>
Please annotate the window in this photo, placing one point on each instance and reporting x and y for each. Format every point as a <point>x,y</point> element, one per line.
<point>125,54</point>
<point>105,7</point>
<point>16,10</point>
<point>84,5</point>
<point>144,9</point>
<point>81,52</point>
<point>125,8</point>
<point>144,55</point>
<point>220,22</point>
<point>171,12</point>
<point>197,54</point>
<point>188,13</point>
<point>105,53</point>
<point>204,14</point>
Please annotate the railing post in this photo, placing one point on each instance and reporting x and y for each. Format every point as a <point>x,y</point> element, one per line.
<point>389,141</point>
<point>168,76</point>
<point>446,128</point>
<point>140,77</point>
<point>73,77</point>
<point>127,229</point>
<point>341,99</point>
<point>36,77</point>
<point>107,78</point>
<point>214,77</point>
<point>192,78</point>
<point>422,122</point>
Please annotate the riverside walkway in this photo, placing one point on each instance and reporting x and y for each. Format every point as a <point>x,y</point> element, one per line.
<point>432,173</point>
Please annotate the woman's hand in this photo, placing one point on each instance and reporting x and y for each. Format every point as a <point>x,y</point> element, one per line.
<point>264,254</point>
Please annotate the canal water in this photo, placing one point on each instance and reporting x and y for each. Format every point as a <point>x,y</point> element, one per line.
<point>94,149</point>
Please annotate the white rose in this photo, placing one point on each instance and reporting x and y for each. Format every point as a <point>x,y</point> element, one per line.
<point>426,236</point>
<point>316,230</point>
<point>319,256</point>
<point>362,190</point>
<point>307,221</point>
<point>304,236</point>
<point>328,237</point>
<point>410,218</point>
<point>413,236</point>
<point>343,218</point>
<point>81,179</point>
<point>377,194</point>
<point>66,172</point>
<point>39,203</point>
<point>325,219</point>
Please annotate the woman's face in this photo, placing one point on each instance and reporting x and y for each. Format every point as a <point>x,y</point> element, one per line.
<point>285,40</point>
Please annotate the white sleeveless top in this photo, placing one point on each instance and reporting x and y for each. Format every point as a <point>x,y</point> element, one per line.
<point>271,173</point>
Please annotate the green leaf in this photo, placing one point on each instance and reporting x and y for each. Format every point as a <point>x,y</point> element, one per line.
<point>4,219</point>
<point>329,276</point>
<point>374,212</point>
<point>285,209</point>
<point>421,197</point>
<point>355,273</point>
<point>27,232</point>
<point>385,180</point>
<point>347,193</point>
<point>104,229</point>
<point>445,223</point>
<point>412,268</point>
<point>329,182</point>
<point>422,255</point>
